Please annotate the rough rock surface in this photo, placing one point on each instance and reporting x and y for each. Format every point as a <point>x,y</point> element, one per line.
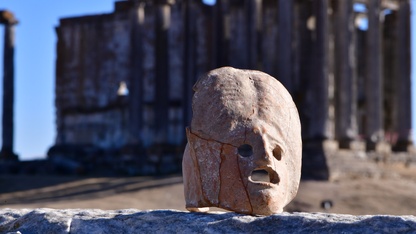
<point>172,221</point>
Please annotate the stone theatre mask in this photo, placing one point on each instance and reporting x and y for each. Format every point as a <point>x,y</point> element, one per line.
<point>244,144</point>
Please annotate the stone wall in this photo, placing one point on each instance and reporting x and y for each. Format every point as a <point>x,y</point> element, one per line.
<point>172,221</point>
<point>93,59</point>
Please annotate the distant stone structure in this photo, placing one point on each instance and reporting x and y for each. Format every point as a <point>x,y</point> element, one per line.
<point>7,152</point>
<point>124,80</point>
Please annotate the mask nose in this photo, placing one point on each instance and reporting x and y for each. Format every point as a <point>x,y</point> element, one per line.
<point>266,156</point>
<point>259,149</point>
<point>247,151</point>
<point>262,157</point>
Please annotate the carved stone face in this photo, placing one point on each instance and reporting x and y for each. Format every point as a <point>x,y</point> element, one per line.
<point>244,145</point>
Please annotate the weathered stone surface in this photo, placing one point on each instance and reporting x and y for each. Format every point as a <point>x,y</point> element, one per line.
<point>244,144</point>
<point>172,221</point>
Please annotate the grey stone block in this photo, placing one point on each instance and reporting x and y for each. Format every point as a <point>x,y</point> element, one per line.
<point>171,221</point>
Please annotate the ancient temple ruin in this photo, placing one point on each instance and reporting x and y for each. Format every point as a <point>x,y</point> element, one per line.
<point>124,80</point>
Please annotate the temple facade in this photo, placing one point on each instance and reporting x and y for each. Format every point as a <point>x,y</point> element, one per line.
<point>124,80</point>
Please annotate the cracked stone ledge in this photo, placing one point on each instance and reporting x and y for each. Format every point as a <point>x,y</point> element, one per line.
<point>172,221</point>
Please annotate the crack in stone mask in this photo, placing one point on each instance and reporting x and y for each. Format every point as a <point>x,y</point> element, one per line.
<point>244,144</point>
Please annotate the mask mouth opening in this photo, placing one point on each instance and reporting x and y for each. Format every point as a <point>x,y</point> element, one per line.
<point>264,175</point>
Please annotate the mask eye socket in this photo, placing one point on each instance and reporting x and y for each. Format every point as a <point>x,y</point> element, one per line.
<point>277,153</point>
<point>245,150</point>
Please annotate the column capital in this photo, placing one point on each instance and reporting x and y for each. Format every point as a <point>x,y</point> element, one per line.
<point>156,2</point>
<point>7,18</point>
<point>165,2</point>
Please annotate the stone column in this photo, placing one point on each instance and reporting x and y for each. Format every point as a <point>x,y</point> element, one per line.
<point>136,81</point>
<point>389,75</point>
<point>315,75</point>
<point>221,33</point>
<point>254,27</point>
<point>7,151</point>
<point>285,37</point>
<point>403,73</point>
<point>319,82</point>
<point>189,65</point>
<point>331,75</point>
<point>373,78</point>
<point>162,72</point>
<point>346,103</point>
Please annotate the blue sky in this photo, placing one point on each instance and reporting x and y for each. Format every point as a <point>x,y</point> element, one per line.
<point>35,67</point>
